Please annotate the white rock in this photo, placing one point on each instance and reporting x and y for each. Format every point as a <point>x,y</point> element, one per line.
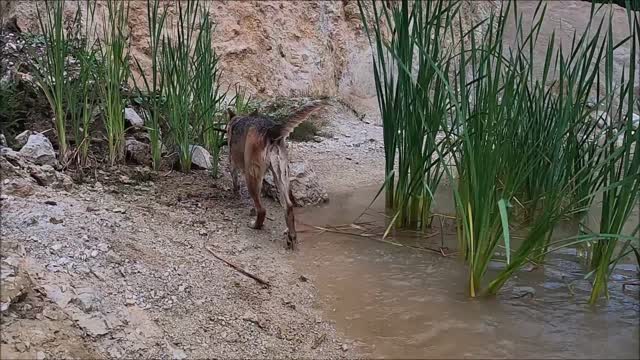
<point>200,157</point>
<point>93,325</point>
<point>178,354</point>
<point>132,117</point>
<point>39,150</point>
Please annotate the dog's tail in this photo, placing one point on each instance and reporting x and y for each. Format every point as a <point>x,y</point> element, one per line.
<point>288,125</point>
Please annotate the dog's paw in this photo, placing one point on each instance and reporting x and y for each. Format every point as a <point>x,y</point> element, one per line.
<point>254,225</point>
<point>292,239</point>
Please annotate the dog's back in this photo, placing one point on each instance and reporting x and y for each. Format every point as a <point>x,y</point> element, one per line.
<point>247,137</point>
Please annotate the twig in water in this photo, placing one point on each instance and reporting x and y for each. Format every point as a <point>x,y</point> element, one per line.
<point>373,237</point>
<point>239,269</point>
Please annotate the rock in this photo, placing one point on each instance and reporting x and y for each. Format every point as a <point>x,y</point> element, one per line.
<point>305,188</point>
<point>522,291</point>
<point>112,257</point>
<point>250,316</point>
<point>86,300</point>
<point>39,150</point>
<point>93,325</point>
<point>200,157</point>
<point>13,157</point>
<point>114,352</point>
<point>51,312</point>
<point>3,140</point>
<point>21,347</point>
<point>132,117</point>
<point>21,139</point>
<point>178,354</point>
<point>14,280</point>
<point>138,151</point>
<point>46,175</point>
<point>345,347</point>
<point>40,355</point>
<point>19,187</point>
<point>103,247</point>
<point>9,170</point>
<point>55,294</point>
<point>119,210</point>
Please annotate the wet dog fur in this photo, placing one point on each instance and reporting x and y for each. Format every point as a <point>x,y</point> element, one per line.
<point>257,144</point>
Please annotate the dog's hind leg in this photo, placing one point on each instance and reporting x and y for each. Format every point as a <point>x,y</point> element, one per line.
<point>279,166</point>
<point>254,185</point>
<point>235,173</point>
<point>255,161</point>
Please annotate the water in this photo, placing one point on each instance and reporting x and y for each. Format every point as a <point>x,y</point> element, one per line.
<point>398,302</point>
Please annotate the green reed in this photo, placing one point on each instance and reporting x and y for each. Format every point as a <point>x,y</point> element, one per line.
<point>412,101</point>
<point>114,72</point>
<point>207,95</point>
<point>622,176</point>
<point>51,76</point>
<point>516,142</point>
<point>154,86</point>
<point>81,99</point>
<point>177,72</point>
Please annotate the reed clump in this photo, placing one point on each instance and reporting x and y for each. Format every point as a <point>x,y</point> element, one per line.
<point>190,71</point>
<point>518,145</point>
<point>181,96</point>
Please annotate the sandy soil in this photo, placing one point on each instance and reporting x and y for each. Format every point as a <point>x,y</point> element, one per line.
<point>120,267</point>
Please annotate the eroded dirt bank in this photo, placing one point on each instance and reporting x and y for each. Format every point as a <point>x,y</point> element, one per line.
<point>118,267</point>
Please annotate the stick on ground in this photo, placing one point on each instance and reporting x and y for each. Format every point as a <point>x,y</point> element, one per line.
<point>239,269</point>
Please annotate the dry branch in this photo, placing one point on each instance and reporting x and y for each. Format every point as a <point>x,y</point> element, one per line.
<point>239,269</point>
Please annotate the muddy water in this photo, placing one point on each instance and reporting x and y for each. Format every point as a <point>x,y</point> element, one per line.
<point>398,302</point>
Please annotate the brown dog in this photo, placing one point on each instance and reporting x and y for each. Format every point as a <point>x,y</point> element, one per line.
<point>257,143</point>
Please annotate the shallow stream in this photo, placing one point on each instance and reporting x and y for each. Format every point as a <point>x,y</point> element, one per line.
<point>399,302</point>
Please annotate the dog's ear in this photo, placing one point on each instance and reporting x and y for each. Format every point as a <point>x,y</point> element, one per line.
<point>231,113</point>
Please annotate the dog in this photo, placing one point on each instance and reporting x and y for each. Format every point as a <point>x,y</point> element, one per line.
<point>257,144</point>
